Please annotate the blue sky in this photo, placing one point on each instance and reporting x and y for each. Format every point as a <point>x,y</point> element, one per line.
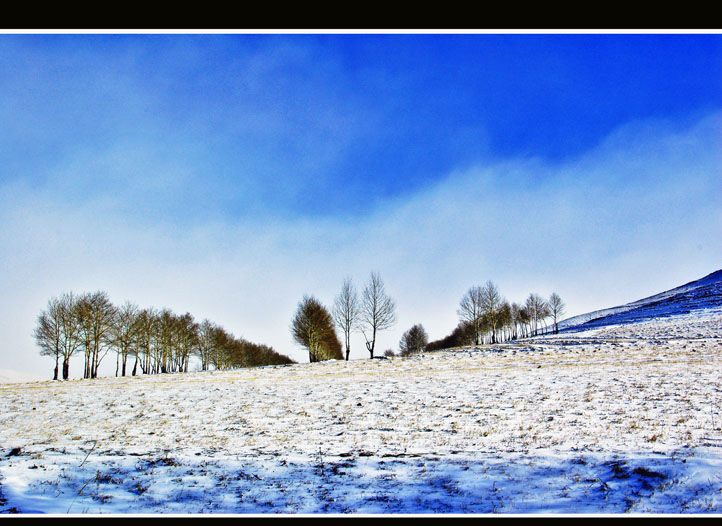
<point>228,175</point>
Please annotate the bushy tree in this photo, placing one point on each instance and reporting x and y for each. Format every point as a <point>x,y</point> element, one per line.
<point>313,328</point>
<point>464,334</point>
<point>413,341</point>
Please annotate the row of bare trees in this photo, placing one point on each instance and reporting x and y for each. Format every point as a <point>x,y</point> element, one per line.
<point>488,317</point>
<point>158,341</point>
<point>374,311</point>
<point>485,317</point>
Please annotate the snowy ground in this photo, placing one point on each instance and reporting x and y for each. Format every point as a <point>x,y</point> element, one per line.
<point>618,419</point>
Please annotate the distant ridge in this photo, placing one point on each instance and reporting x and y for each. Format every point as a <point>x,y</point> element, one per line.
<point>8,376</point>
<point>703,293</point>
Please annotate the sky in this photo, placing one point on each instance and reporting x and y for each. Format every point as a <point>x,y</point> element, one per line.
<point>229,175</point>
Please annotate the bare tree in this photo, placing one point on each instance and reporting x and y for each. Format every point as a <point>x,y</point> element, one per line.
<point>346,312</point>
<point>470,311</point>
<point>49,334</point>
<point>378,311</point>
<point>166,340</point>
<point>556,307</point>
<point>70,326</point>
<point>96,313</point>
<point>544,313</point>
<point>146,327</point>
<point>205,343</point>
<point>58,328</point>
<point>124,332</point>
<point>187,338</point>
<point>506,321</point>
<point>515,312</point>
<point>221,347</point>
<point>491,302</point>
<point>531,308</point>
<point>537,310</point>
<point>525,320</point>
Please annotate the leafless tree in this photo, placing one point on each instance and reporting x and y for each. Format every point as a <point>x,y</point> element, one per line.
<point>48,333</point>
<point>205,343</point>
<point>146,327</point>
<point>544,313</point>
<point>124,333</point>
<point>491,302</point>
<point>60,321</point>
<point>96,314</point>
<point>536,308</point>
<point>470,311</point>
<point>165,339</point>
<point>346,312</point>
<point>515,312</point>
<point>556,307</point>
<point>187,340</point>
<point>505,321</point>
<point>378,310</point>
<point>221,348</point>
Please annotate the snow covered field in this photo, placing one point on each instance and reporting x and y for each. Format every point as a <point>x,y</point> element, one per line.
<point>617,419</point>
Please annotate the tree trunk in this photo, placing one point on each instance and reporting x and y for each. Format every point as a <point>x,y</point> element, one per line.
<point>370,346</point>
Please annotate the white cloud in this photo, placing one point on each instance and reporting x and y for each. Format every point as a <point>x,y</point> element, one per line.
<point>637,215</point>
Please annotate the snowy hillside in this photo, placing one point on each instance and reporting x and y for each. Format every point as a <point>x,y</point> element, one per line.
<point>705,293</point>
<point>608,418</point>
